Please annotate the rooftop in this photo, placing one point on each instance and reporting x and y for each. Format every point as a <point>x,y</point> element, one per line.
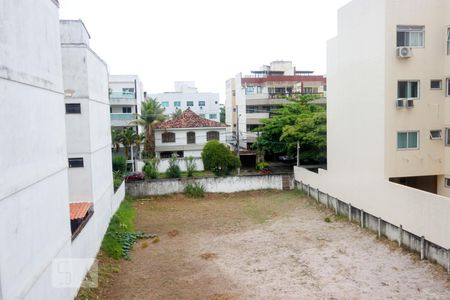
<point>189,119</point>
<point>79,210</point>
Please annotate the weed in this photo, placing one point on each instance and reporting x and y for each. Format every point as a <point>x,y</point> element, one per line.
<point>327,219</point>
<point>195,190</point>
<point>144,245</point>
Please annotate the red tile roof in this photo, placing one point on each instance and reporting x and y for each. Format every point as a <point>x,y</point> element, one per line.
<point>79,210</point>
<point>189,119</point>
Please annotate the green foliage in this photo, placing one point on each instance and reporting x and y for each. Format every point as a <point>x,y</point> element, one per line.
<point>263,166</point>
<point>191,166</point>
<point>219,159</point>
<point>128,138</point>
<point>120,232</point>
<point>177,113</point>
<point>173,171</point>
<point>296,121</point>
<point>117,179</point>
<point>119,164</point>
<point>222,114</point>
<point>195,190</point>
<point>151,168</point>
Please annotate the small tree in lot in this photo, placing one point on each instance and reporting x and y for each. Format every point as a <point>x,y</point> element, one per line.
<point>151,168</point>
<point>173,171</point>
<point>191,166</point>
<point>218,159</point>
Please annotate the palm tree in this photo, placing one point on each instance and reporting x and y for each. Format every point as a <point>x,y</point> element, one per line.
<point>116,137</point>
<point>151,115</point>
<point>177,113</point>
<point>128,139</point>
<point>140,139</point>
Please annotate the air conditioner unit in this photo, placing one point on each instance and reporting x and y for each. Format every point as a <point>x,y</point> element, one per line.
<point>400,103</point>
<point>409,103</point>
<point>404,52</point>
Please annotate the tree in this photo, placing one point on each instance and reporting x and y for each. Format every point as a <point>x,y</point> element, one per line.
<point>219,159</point>
<point>177,113</point>
<point>140,139</point>
<point>128,139</point>
<point>115,139</point>
<point>222,114</point>
<point>296,121</point>
<point>151,115</point>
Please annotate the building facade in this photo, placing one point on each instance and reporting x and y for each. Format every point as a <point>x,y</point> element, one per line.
<point>251,98</point>
<point>186,95</point>
<point>186,135</point>
<point>387,130</point>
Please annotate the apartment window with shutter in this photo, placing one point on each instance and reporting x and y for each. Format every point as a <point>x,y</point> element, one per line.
<point>126,110</point>
<point>408,89</point>
<point>190,103</point>
<point>168,137</point>
<point>212,135</point>
<point>408,140</point>
<point>77,162</point>
<point>201,103</point>
<point>190,137</point>
<point>177,103</point>
<point>411,36</point>
<point>73,108</point>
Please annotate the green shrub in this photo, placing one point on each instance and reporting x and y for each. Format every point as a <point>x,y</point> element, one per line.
<point>191,166</point>
<point>195,190</point>
<point>262,166</point>
<point>117,179</point>
<point>119,164</point>
<point>218,159</point>
<point>173,171</point>
<point>151,168</point>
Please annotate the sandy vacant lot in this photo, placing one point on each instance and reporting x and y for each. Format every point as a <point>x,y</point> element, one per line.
<point>264,245</point>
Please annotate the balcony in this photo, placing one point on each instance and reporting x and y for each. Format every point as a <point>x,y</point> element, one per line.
<point>122,95</point>
<point>122,119</point>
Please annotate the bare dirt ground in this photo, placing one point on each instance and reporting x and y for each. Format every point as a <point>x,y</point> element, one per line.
<point>264,245</point>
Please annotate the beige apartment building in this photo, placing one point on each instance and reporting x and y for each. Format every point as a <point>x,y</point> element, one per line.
<point>255,97</point>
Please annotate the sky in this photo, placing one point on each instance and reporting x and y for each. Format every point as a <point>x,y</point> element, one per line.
<point>206,41</point>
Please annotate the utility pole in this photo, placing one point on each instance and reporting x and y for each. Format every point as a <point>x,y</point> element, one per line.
<point>298,153</point>
<point>237,137</point>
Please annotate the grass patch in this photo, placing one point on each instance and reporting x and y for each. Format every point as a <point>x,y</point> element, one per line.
<point>121,236</point>
<point>258,215</point>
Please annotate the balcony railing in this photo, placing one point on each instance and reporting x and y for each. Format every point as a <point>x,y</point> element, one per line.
<point>291,94</point>
<point>124,117</point>
<point>122,95</point>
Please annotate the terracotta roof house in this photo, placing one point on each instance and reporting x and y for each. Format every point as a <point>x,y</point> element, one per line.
<point>186,135</point>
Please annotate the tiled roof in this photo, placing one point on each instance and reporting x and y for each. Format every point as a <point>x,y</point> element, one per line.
<point>189,119</point>
<point>79,210</point>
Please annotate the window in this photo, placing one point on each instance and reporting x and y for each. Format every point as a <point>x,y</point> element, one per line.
<point>447,136</point>
<point>168,137</point>
<point>213,116</point>
<point>126,110</point>
<point>212,135</point>
<point>310,90</point>
<point>410,36</point>
<point>448,87</point>
<point>190,136</point>
<point>201,103</point>
<point>190,103</point>
<point>436,84</point>
<point>77,162</point>
<point>201,115</point>
<point>250,90</point>
<point>177,103</point>
<point>447,182</point>
<point>408,140</point>
<point>233,93</point>
<point>448,41</point>
<point>408,90</point>
<point>165,155</point>
<point>436,134</point>
<point>165,104</point>
<point>73,108</point>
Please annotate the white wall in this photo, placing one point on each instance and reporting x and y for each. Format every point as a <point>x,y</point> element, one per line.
<point>212,105</point>
<point>34,211</point>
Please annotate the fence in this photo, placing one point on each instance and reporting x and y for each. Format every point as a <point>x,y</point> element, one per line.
<point>382,228</point>
<point>229,184</point>
<point>164,164</point>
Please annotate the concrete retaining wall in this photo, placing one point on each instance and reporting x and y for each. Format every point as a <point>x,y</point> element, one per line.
<point>382,228</point>
<point>211,184</point>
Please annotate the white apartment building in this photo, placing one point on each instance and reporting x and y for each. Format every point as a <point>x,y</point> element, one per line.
<point>251,98</point>
<point>126,94</point>
<point>186,95</point>
<point>34,210</point>
<point>88,134</point>
<point>388,114</point>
